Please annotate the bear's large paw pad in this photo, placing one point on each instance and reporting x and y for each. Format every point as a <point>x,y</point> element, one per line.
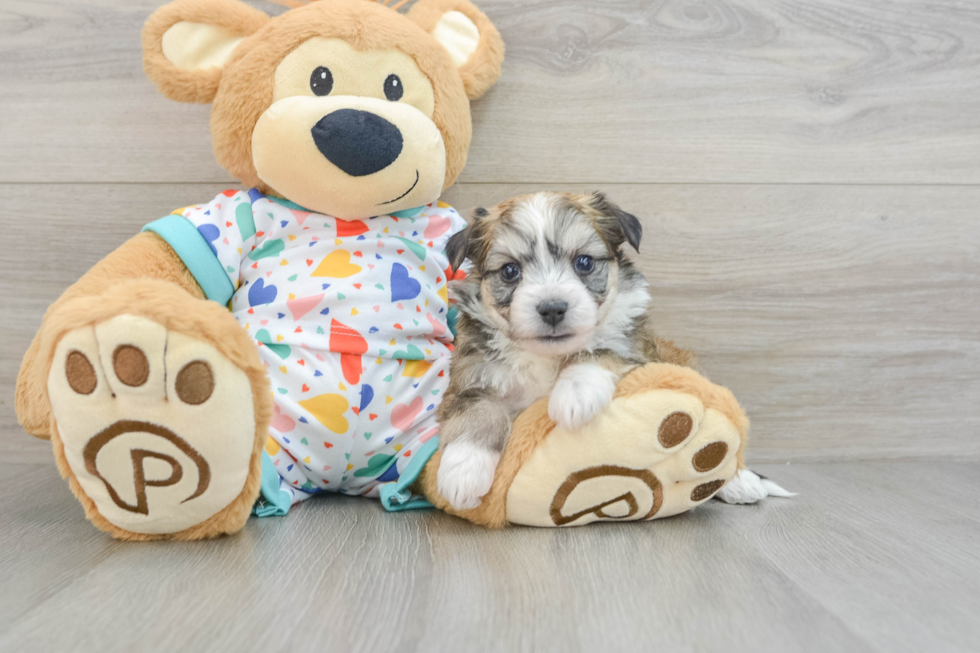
<point>650,455</point>
<point>157,427</point>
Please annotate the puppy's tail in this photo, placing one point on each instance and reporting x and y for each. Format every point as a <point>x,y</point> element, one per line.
<point>749,487</point>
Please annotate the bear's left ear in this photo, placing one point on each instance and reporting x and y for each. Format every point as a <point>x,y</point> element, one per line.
<point>187,43</point>
<point>469,37</point>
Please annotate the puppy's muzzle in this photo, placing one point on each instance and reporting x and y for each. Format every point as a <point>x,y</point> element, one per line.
<point>358,142</point>
<point>552,313</point>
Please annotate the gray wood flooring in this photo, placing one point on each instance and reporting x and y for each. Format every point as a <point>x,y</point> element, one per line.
<point>872,556</point>
<point>808,176</point>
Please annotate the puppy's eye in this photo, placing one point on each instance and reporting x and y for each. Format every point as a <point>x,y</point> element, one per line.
<point>510,272</point>
<point>584,264</point>
<point>393,88</point>
<point>321,81</point>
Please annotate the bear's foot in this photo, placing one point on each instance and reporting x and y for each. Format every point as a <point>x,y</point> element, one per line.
<point>668,442</point>
<point>155,429</point>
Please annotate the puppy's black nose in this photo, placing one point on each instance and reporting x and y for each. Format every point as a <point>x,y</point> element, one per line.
<point>552,312</point>
<point>358,142</point>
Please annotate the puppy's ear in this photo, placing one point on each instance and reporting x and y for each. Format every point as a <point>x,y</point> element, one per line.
<point>459,245</point>
<point>616,224</point>
<point>465,32</point>
<point>457,248</point>
<point>187,43</point>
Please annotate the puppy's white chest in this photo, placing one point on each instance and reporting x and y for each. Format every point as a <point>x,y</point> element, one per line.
<point>531,378</point>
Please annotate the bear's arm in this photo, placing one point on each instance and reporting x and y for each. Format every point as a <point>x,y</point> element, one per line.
<point>144,255</point>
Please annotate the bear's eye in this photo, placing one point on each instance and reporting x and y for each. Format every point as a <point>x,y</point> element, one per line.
<point>321,81</point>
<point>393,88</point>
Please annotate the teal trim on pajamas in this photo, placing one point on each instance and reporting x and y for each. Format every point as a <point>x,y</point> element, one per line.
<point>272,501</point>
<point>410,213</point>
<point>452,319</point>
<point>284,202</point>
<point>396,496</point>
<point>196,254</point>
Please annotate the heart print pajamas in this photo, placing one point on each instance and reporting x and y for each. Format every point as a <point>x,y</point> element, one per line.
<point>350,318</point>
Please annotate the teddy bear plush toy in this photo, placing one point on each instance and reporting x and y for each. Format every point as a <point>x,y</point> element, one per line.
<point>245,354</point>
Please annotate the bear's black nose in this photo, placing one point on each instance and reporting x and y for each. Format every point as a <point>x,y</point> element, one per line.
<point>358,142</point>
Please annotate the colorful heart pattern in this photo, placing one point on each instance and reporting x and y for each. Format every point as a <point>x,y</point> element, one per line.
<point>268,249</point>
<point>336,265</point>
<point>329,410</point>
<point>402,285</point>
<point>260,293</point>
<point>210,234</point>
<point>303,305</point>
<point>438,225</point>
<point>280,422</point>
<point>403,415</point>
<point>282,351</point>
<point>351,321</point>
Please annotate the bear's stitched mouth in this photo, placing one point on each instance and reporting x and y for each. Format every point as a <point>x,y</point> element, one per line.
<point>406,192</point>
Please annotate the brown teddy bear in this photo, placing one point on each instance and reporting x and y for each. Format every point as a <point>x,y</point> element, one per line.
<point>247,353</point>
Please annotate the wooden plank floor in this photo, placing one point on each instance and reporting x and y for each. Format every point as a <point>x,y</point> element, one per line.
<point>870,557</point>
<point>808,176</point>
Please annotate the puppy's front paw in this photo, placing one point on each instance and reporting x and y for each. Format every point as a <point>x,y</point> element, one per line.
<point>581,393</point>
<point>466,474</point>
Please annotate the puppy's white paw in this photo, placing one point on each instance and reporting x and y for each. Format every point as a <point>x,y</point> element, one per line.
<point>581,393</point>
<point>749,487</point>
<point>466,474</point>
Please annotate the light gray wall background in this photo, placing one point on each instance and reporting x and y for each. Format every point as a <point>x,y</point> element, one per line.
<point>807,173</point>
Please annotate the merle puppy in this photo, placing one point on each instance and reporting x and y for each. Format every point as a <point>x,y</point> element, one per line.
<point>551,307</point>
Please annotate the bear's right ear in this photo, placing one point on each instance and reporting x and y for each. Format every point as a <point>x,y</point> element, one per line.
<point>473,43</point>
<point>187,43</point>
